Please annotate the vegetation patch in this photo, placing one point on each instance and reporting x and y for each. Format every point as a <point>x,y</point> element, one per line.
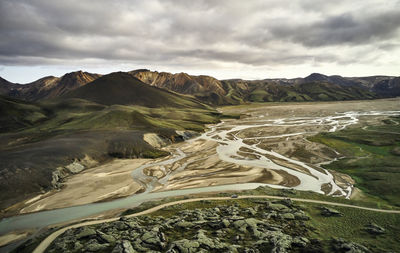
<point>240,225</point>
<point>53,134</point>
<point>370,158</point>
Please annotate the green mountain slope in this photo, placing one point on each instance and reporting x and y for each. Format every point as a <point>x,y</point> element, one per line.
<point>47,87</point>
<point>209,90</point>
<point>240,91</point>
<point>16,114</point>
<point>38,140</point>
<point>124,89</point>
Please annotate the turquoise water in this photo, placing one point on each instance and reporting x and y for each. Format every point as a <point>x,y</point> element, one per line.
<point>45,218</point>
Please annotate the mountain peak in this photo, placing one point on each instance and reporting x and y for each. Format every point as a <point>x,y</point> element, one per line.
<point>3,81</point>
<point>181,82</point>
<point>316,77</point>
<point>124,88</point>
<point>80,76</point>
<point>138,71</point>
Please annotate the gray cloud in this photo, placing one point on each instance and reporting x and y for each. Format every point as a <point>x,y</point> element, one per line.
<point>343,29</point>
<point>255,33</point>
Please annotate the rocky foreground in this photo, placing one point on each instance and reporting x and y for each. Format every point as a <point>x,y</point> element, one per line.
<point>263,226</point>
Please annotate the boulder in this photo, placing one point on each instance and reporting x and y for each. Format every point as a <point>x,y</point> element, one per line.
<point>287,202</point>
<point>340,245</point>
<point>185,246</point>
<point>162,236</point>
<point>250,250</point>
<point>250,211</point>
<point>225,223</point>
<point>185,224</point>
<point>85,232</point>
<point>287,216</point>
<point>94,246</point>
<point>133,224</point>
<point>60,246</point>
<point>75,167</point>
<point>123,218</point>
<point>374,229</point>
<point>280,242</point>
<point>328,212</point>
<point>106,238</point>
<point>120,225</point>
<point>289,191</point>
<point>124,247</point>
<point>278,207</point>
<point>204,240</point>
<point>301,215</point>
<point>300,241</point>
<point>137,244</point>
<point>151,238</point>
<point>78,246</point>
<point>249,224</point>
<point>269,215</point>
<point>186,135</point>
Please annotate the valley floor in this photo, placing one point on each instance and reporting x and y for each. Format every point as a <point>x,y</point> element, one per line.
<point>267,145</point>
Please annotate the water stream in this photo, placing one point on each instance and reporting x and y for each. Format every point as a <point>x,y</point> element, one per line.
<point>227,151</point>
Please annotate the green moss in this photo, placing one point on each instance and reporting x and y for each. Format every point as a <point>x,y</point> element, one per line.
<point>369,159</point>
<point>351,227</point>
<point>154,153</point>
<point>258,95</point>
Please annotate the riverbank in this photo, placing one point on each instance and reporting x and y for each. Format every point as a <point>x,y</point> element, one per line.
<point>102,183</point>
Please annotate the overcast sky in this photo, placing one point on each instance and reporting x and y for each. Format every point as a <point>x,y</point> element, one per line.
<point>226,39</point>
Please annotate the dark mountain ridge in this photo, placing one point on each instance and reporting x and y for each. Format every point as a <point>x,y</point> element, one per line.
<point>219,92</point>
<point>47,87</point>
<point>236,91</point>
<point>124,89</point>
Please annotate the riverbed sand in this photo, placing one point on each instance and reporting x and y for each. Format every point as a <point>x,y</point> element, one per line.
<point>111,180</point>
<point>205,168</point>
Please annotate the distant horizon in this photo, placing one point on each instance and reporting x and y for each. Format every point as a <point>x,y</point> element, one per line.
<point>59,73</point>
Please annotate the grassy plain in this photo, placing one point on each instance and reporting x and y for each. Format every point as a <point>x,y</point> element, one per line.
<point>371,157</point>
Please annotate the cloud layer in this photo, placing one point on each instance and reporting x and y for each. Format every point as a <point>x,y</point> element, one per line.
<point>177,34</point>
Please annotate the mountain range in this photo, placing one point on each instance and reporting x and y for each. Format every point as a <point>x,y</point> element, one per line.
<point>47,87</point>
<point>74,121</point>
<point>315,87</point>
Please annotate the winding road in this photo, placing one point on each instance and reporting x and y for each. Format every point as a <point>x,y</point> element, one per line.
<point>46,242</point>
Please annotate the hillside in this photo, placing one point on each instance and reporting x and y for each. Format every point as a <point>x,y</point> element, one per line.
<point>377,174</point>
<point>121,88</point>
<point>181,82</point>
<point>209,90</point>
<point>16,114</point>
<point>47,87</point>
<point>266,91</point>
<point>387,87</point>
<point>6,86</point>
<point>315,87</point>
<point>42,143</point>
